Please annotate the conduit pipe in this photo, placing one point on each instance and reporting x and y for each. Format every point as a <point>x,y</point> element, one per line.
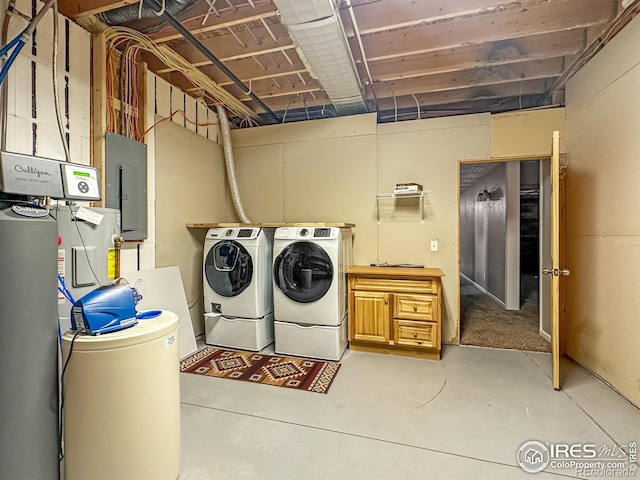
<point>189,37</point>
<point>356,30</point>
<point>228,161</point>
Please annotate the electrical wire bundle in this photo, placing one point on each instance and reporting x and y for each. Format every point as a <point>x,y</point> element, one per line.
<point>19,41</point>
<point>135,41</point>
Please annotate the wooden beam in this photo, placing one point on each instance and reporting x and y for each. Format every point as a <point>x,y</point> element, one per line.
<point>384,15</point>
<point>228,18</point>
<point>387,15</point>
<point>484,55</point>
<point>548,17</point>
<point>268,88</point>
<point>264,89</point>
<point>514,89</point>
<point>293,102</point>
<point>283,73</point>
<point>483,105</point>
<point>256,53</point>
<point>227,48</point>
<point>82,8</point>
<point>519,72</point>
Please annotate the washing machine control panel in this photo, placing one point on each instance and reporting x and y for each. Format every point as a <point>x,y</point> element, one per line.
<point>228,233</point>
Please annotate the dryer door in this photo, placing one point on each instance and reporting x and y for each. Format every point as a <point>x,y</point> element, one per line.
<point>303,272</point>
<point>228,268</point>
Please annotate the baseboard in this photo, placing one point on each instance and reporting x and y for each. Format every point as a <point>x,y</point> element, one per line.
<point>545,335</point>
<point>485,291</point>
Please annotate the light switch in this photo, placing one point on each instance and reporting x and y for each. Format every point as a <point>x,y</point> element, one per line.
<point>434,245</point>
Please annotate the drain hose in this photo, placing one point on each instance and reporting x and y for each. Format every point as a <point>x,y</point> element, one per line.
<point>228,160</point>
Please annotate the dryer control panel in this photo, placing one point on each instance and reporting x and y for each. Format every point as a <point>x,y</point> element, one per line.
<point>317,233</point>
<point>322,233</point>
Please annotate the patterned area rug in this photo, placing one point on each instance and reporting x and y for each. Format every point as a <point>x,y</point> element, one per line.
<point>297,373</point>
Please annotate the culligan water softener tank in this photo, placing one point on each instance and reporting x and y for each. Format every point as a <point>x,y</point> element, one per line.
<point>29,443</point>
<point>122,403</point>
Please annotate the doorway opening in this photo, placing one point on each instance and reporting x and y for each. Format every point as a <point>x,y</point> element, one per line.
<point>500,231</point>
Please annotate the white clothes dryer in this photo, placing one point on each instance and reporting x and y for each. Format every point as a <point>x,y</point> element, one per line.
<point>238,299</point>
<point>310,290</point>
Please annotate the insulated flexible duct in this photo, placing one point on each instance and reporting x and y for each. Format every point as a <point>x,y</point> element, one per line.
<point>228,160</point>
<point>128,13</point>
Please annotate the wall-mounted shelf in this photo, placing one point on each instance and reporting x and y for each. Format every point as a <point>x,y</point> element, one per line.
<point>390,198</point>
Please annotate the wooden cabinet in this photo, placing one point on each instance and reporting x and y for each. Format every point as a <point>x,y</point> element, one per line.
<point>395,310</point>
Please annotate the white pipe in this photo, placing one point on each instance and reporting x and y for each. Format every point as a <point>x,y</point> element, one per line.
<point>359,40</point>
<point>228,160</point>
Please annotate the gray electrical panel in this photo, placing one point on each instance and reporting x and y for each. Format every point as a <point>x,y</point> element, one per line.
<point>126,184</point>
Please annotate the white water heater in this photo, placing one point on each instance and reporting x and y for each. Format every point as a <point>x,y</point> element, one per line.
<point>86,252</point>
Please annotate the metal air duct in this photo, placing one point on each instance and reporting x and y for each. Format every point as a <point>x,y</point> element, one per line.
<point>318,33</point>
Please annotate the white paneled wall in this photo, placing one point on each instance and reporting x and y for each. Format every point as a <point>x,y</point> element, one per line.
<point>31,123</point>
<point>163,100</point>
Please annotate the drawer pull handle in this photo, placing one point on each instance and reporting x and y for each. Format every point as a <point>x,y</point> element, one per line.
<point>386,301</point>
<point>415,308</point>
<point>415,334</point>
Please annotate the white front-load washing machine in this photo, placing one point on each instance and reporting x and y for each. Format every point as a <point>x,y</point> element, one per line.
<point>310,290</point>
<point>237,284</point>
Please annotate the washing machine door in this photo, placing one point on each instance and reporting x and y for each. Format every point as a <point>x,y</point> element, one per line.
<point>228,268</point>
<point>303,272</point>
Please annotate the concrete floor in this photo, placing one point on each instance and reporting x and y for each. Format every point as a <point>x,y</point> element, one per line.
<point>392,418</point>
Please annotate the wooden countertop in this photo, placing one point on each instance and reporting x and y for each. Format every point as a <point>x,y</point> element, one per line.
<point>394,271</point>
<point>267,225</point>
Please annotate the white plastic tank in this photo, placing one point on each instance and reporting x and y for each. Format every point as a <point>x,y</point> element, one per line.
<point>121,394</point>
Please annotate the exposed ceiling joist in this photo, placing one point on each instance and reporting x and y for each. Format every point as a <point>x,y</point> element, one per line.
<point>424,57</point>
<point>227,19</point>
<point>498,92</point>
<point>484,55</point>
<point>521,72</point>
<point>395,14</point>
<point>538,20</point>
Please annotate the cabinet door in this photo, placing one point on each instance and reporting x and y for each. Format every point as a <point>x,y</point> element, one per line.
<point>370,322</point>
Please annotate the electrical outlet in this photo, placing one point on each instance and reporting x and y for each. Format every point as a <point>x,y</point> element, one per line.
<point>434,245</point>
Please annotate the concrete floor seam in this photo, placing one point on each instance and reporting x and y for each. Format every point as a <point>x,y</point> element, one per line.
<point>354,435</point>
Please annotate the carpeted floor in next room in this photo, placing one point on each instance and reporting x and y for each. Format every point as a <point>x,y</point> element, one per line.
<point>485,323</point>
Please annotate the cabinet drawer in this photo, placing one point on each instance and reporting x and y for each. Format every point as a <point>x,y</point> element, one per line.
<point>416,334</point>
<point>416,307</point>
<point>394,285</point>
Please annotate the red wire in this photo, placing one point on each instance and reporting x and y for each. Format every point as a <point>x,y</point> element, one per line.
<point>170,117</point>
